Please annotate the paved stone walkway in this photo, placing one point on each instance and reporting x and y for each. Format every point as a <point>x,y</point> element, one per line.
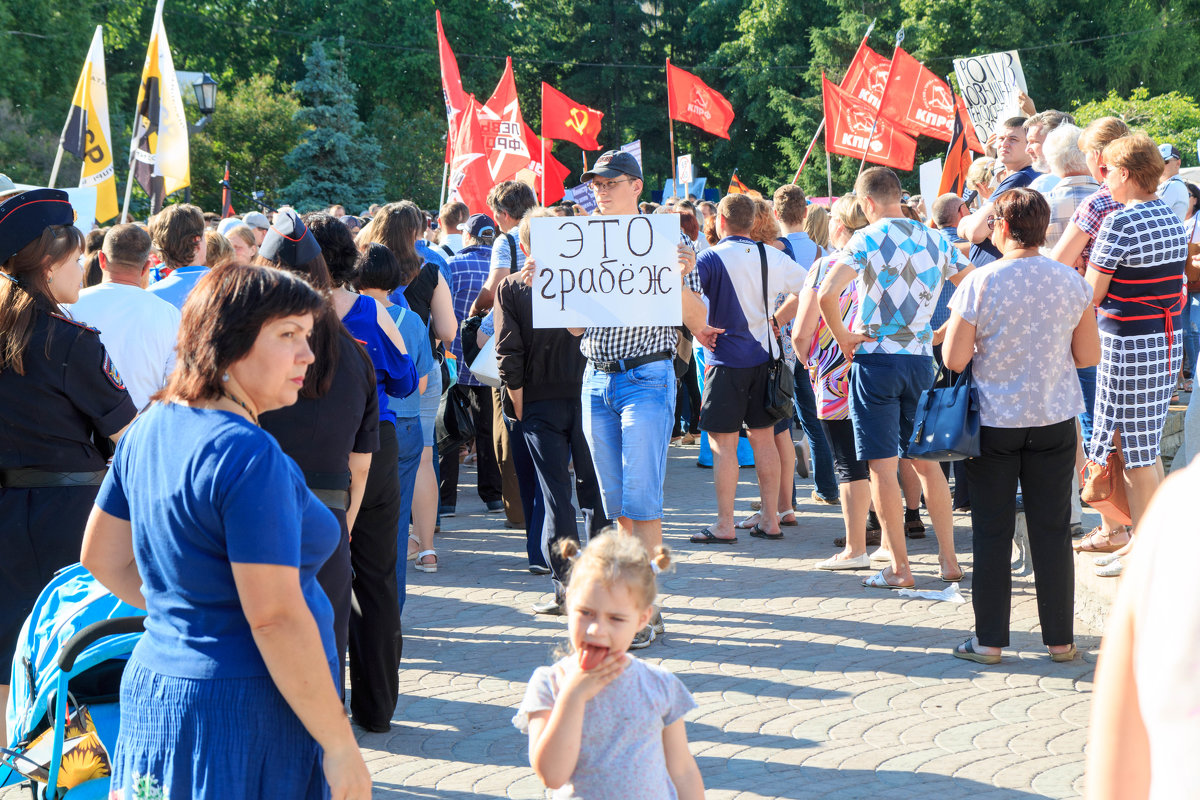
<point>809,685</point>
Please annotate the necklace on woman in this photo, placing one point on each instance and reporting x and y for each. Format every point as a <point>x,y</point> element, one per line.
<point>228,396</point>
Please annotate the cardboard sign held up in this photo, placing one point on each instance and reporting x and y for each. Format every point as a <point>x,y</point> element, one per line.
<point>606,271</point>
<point>989,84</point>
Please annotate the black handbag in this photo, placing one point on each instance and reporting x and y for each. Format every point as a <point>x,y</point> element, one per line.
<point>946,424</point>
<point>781,384</point>
<point>453,426</point>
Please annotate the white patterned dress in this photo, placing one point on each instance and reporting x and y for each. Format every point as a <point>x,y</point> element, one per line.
<point>1143,247</point>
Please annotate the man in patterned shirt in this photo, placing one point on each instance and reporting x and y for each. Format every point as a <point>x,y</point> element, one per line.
<point>1076,184</point>
<point>900,266</point>
<point>629,384</point>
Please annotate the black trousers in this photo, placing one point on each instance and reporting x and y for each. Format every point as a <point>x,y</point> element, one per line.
<point>375,639</point>
<point>1043,459</point>
<point>687,396</point>
<point>553,430</point>
<point>490,486</point>
<point>335,578</point>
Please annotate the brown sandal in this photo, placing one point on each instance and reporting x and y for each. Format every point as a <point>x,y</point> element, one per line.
<point>1092,542</point>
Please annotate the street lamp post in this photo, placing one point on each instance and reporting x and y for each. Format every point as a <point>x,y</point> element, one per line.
<point>206,100</point>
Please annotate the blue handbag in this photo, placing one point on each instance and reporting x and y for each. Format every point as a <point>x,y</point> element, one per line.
<point>946,424</point>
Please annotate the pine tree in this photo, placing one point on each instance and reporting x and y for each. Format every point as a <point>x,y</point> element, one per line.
<point>338,161</point>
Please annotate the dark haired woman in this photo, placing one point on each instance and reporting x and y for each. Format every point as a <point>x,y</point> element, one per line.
<point>375,638</point>
<point>233,683</point>
<point>378,274</point>
<point>61,398</point>
<point>1024,323</point>
<point>333,429</point>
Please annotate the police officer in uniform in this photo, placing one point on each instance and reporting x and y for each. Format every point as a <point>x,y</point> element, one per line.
<point>63,404</point>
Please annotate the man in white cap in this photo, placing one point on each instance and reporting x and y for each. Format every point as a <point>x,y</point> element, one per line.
<point>258,223</point>
<point>1173,191</point>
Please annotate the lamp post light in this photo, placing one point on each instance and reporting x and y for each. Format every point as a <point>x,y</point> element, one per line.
<point>206,100</point>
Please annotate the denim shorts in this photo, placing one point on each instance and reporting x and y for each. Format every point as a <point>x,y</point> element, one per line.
<point>884,390</point>
<point>627,419</point>
<point>429,406</point>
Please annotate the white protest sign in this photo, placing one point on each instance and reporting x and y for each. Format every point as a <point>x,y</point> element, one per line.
<point>606,271</point>
<point>989,85</point>
<point>684,170</point>
<point>931,179</point>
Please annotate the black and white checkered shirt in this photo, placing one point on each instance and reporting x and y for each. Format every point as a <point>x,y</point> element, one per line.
<point>614,344</point>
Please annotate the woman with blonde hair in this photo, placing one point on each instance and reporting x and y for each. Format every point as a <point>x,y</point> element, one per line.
<point>244,243</point>
<point>816,225</point>
<point>219,251</point>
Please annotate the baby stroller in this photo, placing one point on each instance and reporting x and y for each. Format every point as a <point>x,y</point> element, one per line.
<point>66,680</point>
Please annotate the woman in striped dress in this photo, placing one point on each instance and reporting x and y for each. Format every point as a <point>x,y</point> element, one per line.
<point>1136,272</point>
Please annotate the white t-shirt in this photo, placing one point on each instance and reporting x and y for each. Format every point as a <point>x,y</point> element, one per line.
<point>1174,193</point>
<point>138,329</point>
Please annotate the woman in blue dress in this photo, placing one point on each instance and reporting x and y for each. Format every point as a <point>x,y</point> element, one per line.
<point>204,522</point>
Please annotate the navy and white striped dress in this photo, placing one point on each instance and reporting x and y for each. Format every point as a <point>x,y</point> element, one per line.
<point>1144,248</point>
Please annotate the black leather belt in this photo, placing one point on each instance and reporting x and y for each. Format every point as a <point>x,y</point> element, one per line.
<point>331,488</point>
<point>626,364</point>
<point>43,479</point>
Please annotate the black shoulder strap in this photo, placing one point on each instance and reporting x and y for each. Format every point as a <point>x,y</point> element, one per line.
<point>762,260</point>
<point>512,252</point>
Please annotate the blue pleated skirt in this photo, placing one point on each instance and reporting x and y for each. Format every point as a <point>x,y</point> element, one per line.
<point>228,738</point>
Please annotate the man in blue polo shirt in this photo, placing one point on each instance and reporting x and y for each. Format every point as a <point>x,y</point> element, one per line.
<point>735,377</point>
<point>1011,151</point>
<point>178,233</point>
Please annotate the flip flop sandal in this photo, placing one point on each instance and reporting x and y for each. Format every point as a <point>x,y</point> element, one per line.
<point>1088,544</point>
<point>877,581</point>
<point>966,651</point>
<point>955,579</point>
<point>761,534</point>
<point>785,522</point>
<point>706,536</point>
<point>749,522</point>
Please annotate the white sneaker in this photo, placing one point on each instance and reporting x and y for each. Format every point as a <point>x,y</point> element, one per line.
<point>881,555</point>
<point>858,562</point>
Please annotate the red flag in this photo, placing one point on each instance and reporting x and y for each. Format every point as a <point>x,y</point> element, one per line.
<point>848,131</point>
<point>226,200</point>
<point>968,126</point>
<point>470,179</point>
<point>958,158</point>
<point>917,100</point>
<point>557,175</point>
<point>503,129</point>
<point>568,121</point>
<point>866,76</point>
<point>452,90</point>
<point>690,99</point>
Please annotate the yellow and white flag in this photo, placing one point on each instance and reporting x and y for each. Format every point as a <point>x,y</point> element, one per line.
<point>86,134</point>
<point>159,151</point>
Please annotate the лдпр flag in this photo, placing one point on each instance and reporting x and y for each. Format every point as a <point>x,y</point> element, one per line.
<point>86,134</point>
<point>503,129</point>
<point>568,121</point>
<point>159,151</point>
<point>452,90</point>
<point>848,123</point>
<point>690,99</point>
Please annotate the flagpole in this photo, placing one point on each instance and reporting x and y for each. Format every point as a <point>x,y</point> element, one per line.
<point>128,192</point>
<point>445,178</point>
<point>671,126</point>
<point>808,152</point>
<point>57,163</point>
<point>828,175</point>
<point>887,85</point>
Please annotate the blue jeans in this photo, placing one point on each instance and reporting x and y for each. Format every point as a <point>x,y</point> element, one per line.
<point>533,503</point>
<point>1087,383</point>
<point>411,443</point>
<point>1191,332</point>
<point>806,406</point>
<point>627,419</point>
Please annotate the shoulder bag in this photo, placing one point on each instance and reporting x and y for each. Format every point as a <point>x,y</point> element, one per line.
<point>946,425</point>
<point>781,384</point>
<point>1104,487</point>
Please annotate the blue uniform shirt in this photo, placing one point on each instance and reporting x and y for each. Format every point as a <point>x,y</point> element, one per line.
<point>175,287</point>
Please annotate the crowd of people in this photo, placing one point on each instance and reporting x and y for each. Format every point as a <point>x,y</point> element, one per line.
<point>249,426</point>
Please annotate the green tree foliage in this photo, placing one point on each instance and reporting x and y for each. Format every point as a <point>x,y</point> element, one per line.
<point>1170,117</point>
<point>337,161</point>
<point>413,148</point>
<point>255,124</point>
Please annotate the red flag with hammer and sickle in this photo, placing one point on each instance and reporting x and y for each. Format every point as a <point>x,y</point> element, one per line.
<point>690,99</point>
<point>568,121</point>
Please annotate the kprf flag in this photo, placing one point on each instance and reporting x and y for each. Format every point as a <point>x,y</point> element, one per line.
<point>159,151</point>
<point>503,129</point>
<point>568,121</point>
<point>86,134</point>
<point>958,156</point>
<point>470,180</point>
<point>848,122</point>
<point>917,100</point>
<point>867,75</point>
<point>690,99</point>
<point>556,172</point>
<point>452,90</point>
